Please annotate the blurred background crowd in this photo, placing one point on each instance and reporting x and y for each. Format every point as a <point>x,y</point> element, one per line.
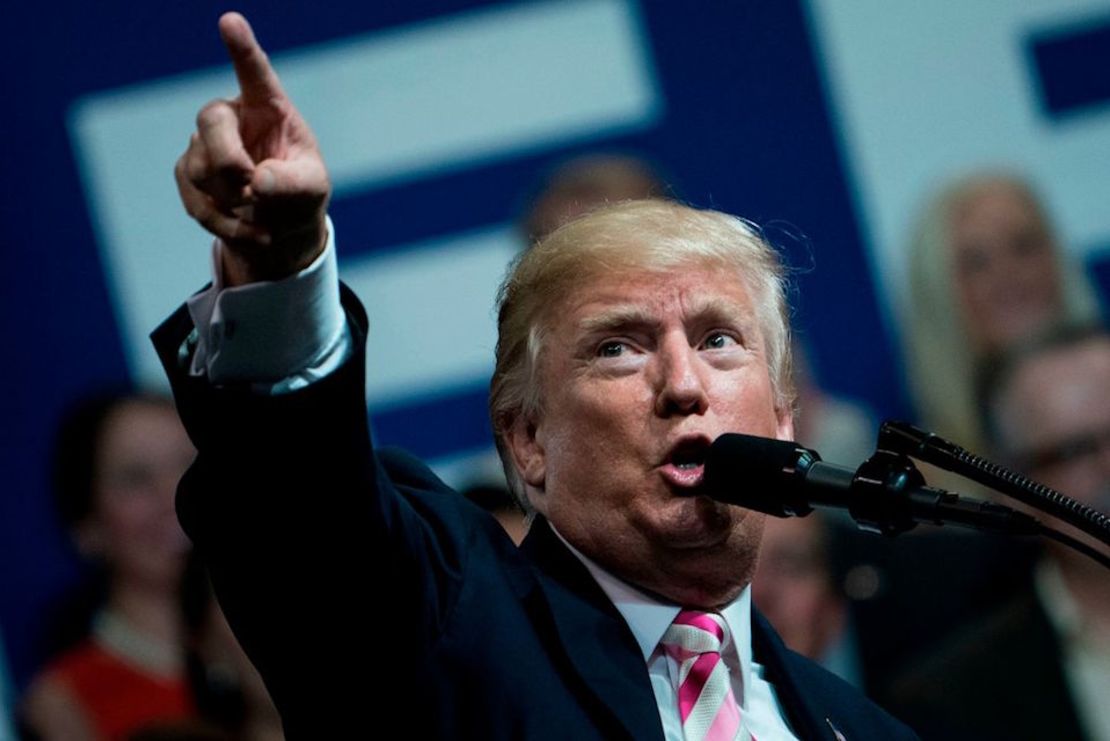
<point>940,200</point>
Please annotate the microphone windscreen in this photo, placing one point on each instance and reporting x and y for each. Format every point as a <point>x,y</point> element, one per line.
<point>755,472</point>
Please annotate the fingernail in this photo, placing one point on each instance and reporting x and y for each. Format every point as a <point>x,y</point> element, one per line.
<point>265,182</point>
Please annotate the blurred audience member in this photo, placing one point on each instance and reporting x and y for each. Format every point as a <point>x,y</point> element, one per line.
<point>7,726</point>
<point>913,591</point>
<point>1039,667</point>
<point>231,700</point>
<point>842,431</point>
<point>795,589</point>
<point>584,183</point>
<point>228,690</point>
<point>986,271</point>
<point>117,461</point>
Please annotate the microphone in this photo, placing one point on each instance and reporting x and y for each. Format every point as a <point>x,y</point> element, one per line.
<point>886,494</point>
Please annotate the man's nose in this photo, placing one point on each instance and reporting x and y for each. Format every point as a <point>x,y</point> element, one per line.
<point>681,384</point>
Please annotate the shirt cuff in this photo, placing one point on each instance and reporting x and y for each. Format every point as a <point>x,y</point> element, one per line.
<point>276,335</point>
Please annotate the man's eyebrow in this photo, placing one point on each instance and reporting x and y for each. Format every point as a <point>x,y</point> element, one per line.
<point>722,310</point>
<point>702,310</point>
<point>725,314</point>
<point>617,317</point>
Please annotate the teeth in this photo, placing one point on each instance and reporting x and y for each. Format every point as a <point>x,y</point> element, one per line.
<point>688,465</point>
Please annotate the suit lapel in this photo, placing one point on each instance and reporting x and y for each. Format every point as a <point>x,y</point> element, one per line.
<point>595,640</point>
<point>808,718</point>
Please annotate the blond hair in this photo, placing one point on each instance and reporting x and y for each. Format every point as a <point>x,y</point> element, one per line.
<point>645,235</point>
<point>942,362</point>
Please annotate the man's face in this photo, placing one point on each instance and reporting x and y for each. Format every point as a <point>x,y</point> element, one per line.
<point>793,587</point>
<point>1055,414</point>
<point>639,373</point>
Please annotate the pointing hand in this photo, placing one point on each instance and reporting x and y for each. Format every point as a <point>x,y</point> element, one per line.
<point>253,174</point>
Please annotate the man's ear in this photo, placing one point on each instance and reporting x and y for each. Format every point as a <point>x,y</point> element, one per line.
<point>527,448</point>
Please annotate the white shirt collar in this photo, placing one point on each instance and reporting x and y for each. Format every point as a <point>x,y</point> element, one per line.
<point>649,618</point>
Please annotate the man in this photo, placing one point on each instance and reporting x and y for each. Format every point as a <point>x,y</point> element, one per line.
<point>367,593</point>
<point>583,183</point>
<point>1039,667</point>
<point>794,587</point>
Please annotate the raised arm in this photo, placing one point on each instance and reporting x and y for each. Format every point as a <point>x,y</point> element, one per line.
<point>312,538</point>
<point>253,174</point>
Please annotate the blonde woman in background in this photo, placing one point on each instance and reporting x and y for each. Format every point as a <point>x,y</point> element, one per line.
<point>986,271</point>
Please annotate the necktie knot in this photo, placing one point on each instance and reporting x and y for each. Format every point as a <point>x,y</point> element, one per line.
<point>706,705</point>
<point>694,632</point>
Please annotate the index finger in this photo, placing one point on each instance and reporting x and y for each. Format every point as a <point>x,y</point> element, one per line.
<point>258,82</point>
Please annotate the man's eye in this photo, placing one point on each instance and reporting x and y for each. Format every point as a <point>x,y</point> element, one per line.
<point>718,340</point>
<point>611,349</point>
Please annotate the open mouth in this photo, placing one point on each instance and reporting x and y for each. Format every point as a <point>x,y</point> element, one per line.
<point>685,464</point>
<point>689,454</point>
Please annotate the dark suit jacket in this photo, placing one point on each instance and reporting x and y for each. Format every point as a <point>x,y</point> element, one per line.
<point>365,590</point>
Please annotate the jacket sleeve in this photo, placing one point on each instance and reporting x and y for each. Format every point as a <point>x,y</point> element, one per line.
<point>321,562</point>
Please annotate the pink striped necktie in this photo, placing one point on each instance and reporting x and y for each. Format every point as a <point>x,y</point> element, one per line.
<point>709,711</point>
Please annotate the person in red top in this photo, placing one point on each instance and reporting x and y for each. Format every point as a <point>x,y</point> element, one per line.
<point>114,695</point>
<point>117,462</point>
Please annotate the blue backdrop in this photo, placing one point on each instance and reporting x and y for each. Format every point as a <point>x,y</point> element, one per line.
<point>738,102</point>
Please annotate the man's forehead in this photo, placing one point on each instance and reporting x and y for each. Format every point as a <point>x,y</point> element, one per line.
<point>639,294</point>
<point>600,314</point>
